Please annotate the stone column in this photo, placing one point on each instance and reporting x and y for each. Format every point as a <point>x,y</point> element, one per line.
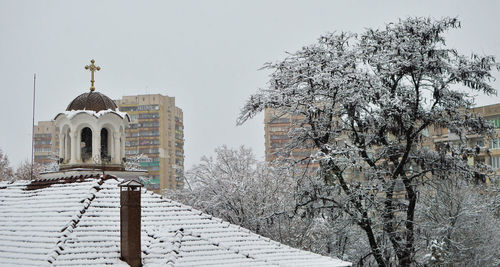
<point>96,146</point>
<point>122,145</point>
<point>75,147</point>
<point>115,156</point>
<point>62,144</point>
<point>67,147</point>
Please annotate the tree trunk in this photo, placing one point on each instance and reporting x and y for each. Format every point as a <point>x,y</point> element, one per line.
<point>377,253</point>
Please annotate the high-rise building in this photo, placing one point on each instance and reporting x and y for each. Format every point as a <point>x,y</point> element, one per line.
<point>488,147</point>
<point>45,142</point>
<point>277,126</point>
<point>156,130</point>
<point>154,138</point>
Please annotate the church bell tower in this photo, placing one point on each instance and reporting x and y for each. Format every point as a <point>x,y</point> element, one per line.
<point>92,131</point>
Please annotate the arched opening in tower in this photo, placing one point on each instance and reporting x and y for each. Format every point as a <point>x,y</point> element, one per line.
<point>86,145</point>
<point>105,156</point>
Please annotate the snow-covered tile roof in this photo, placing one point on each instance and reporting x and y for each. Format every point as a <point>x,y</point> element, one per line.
<point>76,221</point>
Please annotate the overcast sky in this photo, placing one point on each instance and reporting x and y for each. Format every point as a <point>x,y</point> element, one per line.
<point>204,53</point>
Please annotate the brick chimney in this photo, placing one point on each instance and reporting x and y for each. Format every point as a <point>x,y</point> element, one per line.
<point>130,222</point>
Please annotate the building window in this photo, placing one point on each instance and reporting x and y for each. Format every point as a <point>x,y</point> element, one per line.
<point>130,152</point>
<point>149,133</point>
<point>43,149</point>
<point>495,143</point>
<point>495,162</point>
<point>495,122</point>
<point>280,120</point>
<point>479,142</point>
<point>148,116</point>
<point>278,129</point>
<point>133,108</point>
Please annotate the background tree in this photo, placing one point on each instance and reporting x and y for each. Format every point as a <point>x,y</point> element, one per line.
<point>52,165</point>
<point>23,171</point>
<point>236,187</point>
<point>133,163</point>
<point>460,224</point>
<point>364,103</point>
<point>6,173</point>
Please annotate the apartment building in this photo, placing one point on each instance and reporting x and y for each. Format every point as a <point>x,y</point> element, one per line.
<point>489,147</point>
<point>156,131</point>
<point>45,142</point>
<point>277,125</point>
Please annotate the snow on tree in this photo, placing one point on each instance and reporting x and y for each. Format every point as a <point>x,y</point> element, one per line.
<point>6,173</point>
<point>459,224</point>
<point>25,172</point>
<point>364,103</point>
<point>133,163</point>
<point>237,188</point>
<point>53,165</point>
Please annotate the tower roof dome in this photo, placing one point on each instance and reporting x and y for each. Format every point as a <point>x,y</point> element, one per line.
<point>92,101</point>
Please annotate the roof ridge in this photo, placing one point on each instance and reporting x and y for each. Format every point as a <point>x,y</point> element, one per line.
<point>172,255</point>
<point>73,223</point>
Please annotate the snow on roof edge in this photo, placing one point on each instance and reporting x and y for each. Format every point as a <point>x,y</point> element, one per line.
<point>72,113</point>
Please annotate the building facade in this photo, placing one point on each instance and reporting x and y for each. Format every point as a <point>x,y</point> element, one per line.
<point>277,126</point>
<point>45,142</point>
<point>156,130</point>
<point>154,138</point>
<point>488,147</point>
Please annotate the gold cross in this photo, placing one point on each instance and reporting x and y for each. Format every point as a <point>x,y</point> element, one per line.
<point>92,69</point>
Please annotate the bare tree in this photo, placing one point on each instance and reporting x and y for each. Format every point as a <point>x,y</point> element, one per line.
<point>24,171</point>
<point>459,224</point>
<point>52,165</point>
<point>364,104</point>
<point>133,163</point>
<point>6,173</point>
<point>236,187</point>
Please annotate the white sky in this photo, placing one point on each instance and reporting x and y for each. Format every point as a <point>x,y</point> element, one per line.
<point>204,53</point>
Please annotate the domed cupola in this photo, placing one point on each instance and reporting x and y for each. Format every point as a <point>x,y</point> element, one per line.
<point>92,101</point>
<point>92,131</point>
